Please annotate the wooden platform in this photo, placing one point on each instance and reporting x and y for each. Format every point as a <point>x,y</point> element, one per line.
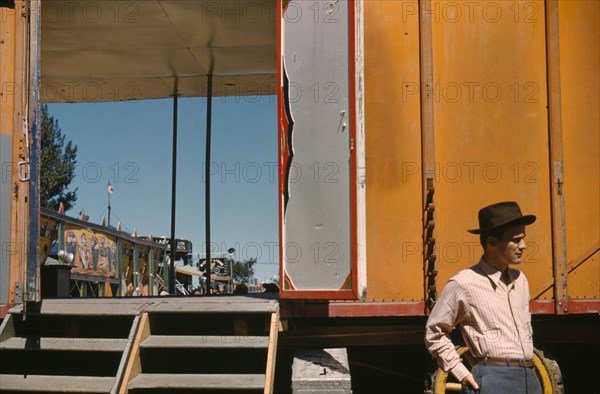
<point>63,384</point>
<point>198,382</point>
<point>49,345</point>
<point>138,305</point>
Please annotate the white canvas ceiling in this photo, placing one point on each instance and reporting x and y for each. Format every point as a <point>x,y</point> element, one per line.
<point>111,50</point>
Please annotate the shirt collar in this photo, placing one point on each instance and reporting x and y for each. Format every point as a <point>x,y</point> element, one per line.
<point>494,274</point>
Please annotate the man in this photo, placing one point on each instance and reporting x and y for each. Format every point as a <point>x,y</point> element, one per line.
<point>490,303</point>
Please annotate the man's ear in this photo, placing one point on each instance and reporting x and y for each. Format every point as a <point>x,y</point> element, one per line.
<point>492,241</point>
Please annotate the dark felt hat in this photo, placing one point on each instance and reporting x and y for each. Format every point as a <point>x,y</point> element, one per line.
<point>501,214</point>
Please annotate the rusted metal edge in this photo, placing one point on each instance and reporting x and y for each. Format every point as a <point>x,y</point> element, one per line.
<point>427,147</point>
<point>574,307</point>
<point>572,266</point>
<point>559,250</point>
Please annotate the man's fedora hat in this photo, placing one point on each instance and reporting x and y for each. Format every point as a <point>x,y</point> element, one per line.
<point>501,214</point>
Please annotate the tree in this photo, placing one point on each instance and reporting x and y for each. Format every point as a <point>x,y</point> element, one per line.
<point>241,270</point>
<point>57,169</point>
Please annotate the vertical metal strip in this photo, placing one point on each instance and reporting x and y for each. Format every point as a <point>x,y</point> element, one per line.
<point>281,127</point>
<point>136,267</point>
<point>151,270</point>
<point>427,149</point>
<point>207,180</point>
<point>61,236</point>
<point>122,289</point>
<point>171,267</point>
<point>359,132</point>
<point>8,54</point>
<point>33,288</point>
<point>353,181</point>
<point>559,250</point>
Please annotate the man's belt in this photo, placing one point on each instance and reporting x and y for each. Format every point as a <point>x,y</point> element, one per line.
<point>506,361</point>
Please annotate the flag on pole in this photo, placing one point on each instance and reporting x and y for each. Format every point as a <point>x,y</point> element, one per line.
<point>110,188</point>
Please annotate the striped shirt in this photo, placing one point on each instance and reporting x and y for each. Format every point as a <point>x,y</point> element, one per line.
<point>494,318</point>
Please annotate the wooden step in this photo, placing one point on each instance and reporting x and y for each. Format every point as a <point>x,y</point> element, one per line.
<point>224,305</point>
<point>205,342</point>
<point>63,384</point>
<point>133,306</point>
<point>66,344</point>
<point>204,382</point>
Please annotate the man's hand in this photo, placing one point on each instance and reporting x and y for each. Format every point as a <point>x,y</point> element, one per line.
<point>470,380</point>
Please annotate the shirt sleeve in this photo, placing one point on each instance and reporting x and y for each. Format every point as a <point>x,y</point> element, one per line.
<point>448,311</point>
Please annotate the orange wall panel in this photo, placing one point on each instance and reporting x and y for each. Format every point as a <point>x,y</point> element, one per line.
<point>393,157</point>
<point>491,128</point>
<point>579,30</point>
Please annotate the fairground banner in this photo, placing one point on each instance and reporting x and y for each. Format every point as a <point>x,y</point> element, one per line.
<point>94,253</point>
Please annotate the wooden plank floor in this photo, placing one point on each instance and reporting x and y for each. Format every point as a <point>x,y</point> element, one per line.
<point>63,384</point>
<point>184,381</point>
<point>206,342</point>
<point>136,305</point>
<point>68,344</point>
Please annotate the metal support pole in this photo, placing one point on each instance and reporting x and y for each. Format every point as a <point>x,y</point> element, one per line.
<point>555,140</point>
<point>35,121</point>
<point>122,289</point>
<point>207,180</point>
<point>171,267</point>
<point>108,191</point>
<point>136,269</point>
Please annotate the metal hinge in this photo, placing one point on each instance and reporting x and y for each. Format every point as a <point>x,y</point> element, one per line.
<point>559,186</point>
<point>361,176</point>
<point>18,293</point>
<point>429,246</point>
<point>25,9</point>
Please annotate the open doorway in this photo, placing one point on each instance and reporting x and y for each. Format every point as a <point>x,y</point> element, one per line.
<point>109,73</point>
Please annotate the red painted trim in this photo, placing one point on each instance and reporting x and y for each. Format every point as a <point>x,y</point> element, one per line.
<point>4,310</point>
<point>286,278</point>
<point>284,157</point>
<point>366,309</point>
<point>583,306</point>
<point>280,129</point>
<point>352,111</point>
<point>542,307</point>
<point>560,307</point>
<point>308,309</point>
<point>293,308</point>
<point>314,294</point>
<point>319,294</point>
<point>573,307</point>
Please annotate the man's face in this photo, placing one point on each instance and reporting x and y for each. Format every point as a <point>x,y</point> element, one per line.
<point>512,245</point>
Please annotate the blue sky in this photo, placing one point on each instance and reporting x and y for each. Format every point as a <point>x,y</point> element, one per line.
<point>130,145</point>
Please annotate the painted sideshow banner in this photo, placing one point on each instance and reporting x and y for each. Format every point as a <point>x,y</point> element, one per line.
<point>136,282</point>
<point>144,270</point>
<point>48,235</point>
<point>95,253</point>
<point>128,269</point>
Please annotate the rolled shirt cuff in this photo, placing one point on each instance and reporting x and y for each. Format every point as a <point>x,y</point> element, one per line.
<point>460,372</point>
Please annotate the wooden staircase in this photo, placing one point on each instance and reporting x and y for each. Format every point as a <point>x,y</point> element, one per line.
<point>158,345</point>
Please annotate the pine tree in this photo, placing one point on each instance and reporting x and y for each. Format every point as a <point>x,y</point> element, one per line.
<point>243,270</point>
<point>57,169</point>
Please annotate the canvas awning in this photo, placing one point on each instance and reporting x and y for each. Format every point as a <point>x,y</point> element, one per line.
<point>189,270</point>
<point>143,49</point>
<point>193,271</point>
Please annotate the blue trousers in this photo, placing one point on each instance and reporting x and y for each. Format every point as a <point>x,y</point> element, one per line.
<point>502,379</point>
